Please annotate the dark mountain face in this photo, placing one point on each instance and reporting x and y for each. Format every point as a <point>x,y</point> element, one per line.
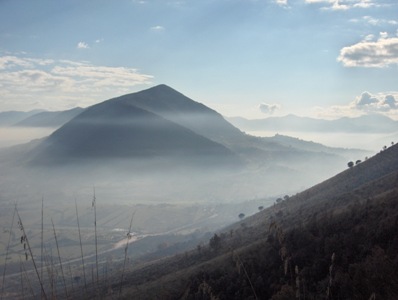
<point>176,107</point>
<point>118,128</point>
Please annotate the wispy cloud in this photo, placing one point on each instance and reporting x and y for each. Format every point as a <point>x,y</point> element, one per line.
<point>157,28</point>
<point>374,21</point>
<point>371,54</point>
<point>282,3</point>
<point>62,83</point>
<point>343,4</point>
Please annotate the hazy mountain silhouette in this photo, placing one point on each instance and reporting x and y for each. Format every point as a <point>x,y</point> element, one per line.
<point>118,128</point>
<point>49,118</point>
<point>374,123</point>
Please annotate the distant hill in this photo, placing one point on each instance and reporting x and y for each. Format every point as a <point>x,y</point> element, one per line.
<point>374,123</point>
<point>49,118</point>
<point>336,240</point>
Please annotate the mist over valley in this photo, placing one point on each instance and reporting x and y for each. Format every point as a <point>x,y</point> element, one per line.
<point>179,169</point>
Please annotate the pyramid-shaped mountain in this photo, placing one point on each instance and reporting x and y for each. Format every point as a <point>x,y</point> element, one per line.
<point>157,122</point>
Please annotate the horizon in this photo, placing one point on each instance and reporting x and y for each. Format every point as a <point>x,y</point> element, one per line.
<point>254,59</point>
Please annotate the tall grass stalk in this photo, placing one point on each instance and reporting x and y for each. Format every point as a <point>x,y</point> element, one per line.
<point>50,271</point>
<point>27,278</point>
<point>71,279</point>
<point>125,254</point>
<point>42,240</point>
<point>7,251</point>
<point>60,261</point>
<point>95,233</point>
<point>21,278</point>
<point>240,263</point>
<point>81,249</point>
<point>31,253</point>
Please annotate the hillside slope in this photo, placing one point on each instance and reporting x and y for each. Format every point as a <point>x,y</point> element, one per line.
<point>337,240</point>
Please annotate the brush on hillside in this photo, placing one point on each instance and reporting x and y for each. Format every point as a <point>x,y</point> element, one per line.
<point>330,282</point>
<point>7,251</point>
<point>125,253</point>
<point>25,238</point>
<point>60,261</point>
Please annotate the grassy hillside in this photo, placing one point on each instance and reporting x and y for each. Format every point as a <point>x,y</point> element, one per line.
<point>337,240</point>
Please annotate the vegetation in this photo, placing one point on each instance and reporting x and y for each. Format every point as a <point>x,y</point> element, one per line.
<point>337,240</point>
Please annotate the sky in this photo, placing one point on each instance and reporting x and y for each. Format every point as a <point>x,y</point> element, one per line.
<point>249,58</point>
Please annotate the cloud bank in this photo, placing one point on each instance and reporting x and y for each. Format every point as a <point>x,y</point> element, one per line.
<point>28,83</point>
<point>371,103</point>
<point>371,54</point>
<point>366,103</point>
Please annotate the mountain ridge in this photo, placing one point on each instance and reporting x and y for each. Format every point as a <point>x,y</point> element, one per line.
<point>375,123</point>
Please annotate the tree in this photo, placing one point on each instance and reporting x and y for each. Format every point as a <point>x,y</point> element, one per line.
<point>358,162</point>
<point>241,216</point>
<point>260,208</point>
<point>279,200</point>
<point>350,164</point>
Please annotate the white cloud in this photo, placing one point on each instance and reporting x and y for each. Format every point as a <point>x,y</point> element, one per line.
<point>24,80</point>
<point>375,54</point>
<point>268,108</point>
<point>157,28</point>
<point>281,2</point>
<point>372,103</point>
<point>82,45</point>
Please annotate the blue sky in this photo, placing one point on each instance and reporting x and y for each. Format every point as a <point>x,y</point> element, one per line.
<point>250,58</point>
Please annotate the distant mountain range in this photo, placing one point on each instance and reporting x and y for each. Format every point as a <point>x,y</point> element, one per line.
<point>374,123</point>
<point>10,118</point>
<point>38,118</point>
